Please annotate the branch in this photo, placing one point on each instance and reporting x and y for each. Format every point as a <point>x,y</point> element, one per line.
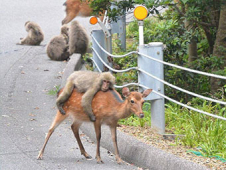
<point>178,10</point>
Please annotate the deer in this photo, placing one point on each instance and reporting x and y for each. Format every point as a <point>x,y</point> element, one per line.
<point>108,107</point>
<point>78,8</point>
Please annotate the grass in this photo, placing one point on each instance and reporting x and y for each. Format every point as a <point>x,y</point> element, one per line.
<point>205,133</point>
<point>201,133</point>
<point>54,91</point>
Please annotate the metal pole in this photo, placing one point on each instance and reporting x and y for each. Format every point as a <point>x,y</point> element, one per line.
<point>155,50</point>
<point>122,31</point>
<point>141,32</point>
<point>119,27</point>
<point>105,43</point>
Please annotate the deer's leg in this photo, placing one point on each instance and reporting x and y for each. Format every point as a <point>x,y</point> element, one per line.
<point>58,119</point>
<point>97,126</point>
<point>75,128</point>
<point>114,139</point>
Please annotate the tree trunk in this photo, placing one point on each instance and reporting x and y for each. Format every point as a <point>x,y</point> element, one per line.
<point>192,46</point>
<point>220,46</point>
<point>192,50</point>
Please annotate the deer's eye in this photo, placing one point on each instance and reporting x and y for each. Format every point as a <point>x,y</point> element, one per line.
<point>132,101</point>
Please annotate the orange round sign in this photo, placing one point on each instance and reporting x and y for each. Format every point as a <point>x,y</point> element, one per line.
<point>93,20</point>
<point>140,12</point>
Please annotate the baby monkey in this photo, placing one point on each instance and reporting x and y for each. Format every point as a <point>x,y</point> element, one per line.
<point>35,35</point>
<point>86,82</point>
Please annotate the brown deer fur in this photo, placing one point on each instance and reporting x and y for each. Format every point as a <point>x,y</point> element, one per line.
<point>77,7</point>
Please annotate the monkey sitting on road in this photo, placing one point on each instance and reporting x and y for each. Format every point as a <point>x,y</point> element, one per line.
<point>87,82</point>
<point>35,35</point>
<point>78,39</point>
<point>57,48</point>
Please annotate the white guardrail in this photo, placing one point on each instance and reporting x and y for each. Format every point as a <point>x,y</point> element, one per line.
<point>166,83</point>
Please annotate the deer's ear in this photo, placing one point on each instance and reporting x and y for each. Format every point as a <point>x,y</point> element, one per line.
<point>125,91</point>
<point>146,93</point>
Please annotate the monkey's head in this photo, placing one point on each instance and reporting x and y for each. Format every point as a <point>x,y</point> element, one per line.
<point>26,25</point>
<point>65,29</point>
<point>107,81</point>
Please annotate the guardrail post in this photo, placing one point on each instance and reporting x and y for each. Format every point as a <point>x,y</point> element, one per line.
<point>119,27</point>
<point>105,43</point>
<point>155,50</point>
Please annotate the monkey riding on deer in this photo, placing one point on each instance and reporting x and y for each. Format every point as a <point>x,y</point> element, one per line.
<point>89,83</point>
<point>108,109</point>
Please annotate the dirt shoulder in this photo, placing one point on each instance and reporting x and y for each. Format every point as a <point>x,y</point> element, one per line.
<point>168,144</point>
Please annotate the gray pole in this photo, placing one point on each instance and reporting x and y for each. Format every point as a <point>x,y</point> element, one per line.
<point>105,43</point>
<point>122,31</point>
<point>155,50</point>
<point>119,27</point>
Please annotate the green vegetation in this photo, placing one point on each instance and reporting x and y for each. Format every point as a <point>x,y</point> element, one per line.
<point>54,91</point>
<point>202,133</point>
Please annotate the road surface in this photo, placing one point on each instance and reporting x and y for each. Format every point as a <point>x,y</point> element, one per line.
<point>26,108</point>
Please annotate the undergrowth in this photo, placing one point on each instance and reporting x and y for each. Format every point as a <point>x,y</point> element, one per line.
<point>200,132</point>
<point>206,134</point>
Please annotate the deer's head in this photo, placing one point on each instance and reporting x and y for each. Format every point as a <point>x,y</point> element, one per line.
<point>135,100</point>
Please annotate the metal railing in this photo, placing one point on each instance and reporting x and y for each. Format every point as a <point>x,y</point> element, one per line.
<point>159,79</point>
<point>168,98</point>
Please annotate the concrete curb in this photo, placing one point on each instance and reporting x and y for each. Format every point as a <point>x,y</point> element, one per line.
<point>75,63</point>
<point>131,150</point>
<point>140,154</point>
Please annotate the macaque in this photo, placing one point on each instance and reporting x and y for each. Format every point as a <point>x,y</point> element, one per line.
<point>78,39</point>
<point>35,35</point>
<point>58,48</point>
<point>87,82</point>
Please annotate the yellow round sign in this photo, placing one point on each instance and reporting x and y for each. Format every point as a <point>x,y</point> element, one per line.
<point>140,12</point>
<point>93,20</point>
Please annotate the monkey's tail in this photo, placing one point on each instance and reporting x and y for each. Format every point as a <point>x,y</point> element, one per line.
<point>64,96</point>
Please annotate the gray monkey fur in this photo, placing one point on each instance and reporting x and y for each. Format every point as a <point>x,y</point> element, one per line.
<point>35,35</point>
<point>57,48</point>
<point>86,82</point>
<point>78,39</point>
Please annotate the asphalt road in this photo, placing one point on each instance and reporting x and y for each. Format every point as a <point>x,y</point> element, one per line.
<point>26,108</point>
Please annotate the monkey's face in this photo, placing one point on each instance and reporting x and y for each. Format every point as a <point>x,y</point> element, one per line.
<point>105,85</point>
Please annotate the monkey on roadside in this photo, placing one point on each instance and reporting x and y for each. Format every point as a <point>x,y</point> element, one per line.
<point>78,39</point>
<point>87,82</point>
<point>35,35</point>
<point>58,48</point>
